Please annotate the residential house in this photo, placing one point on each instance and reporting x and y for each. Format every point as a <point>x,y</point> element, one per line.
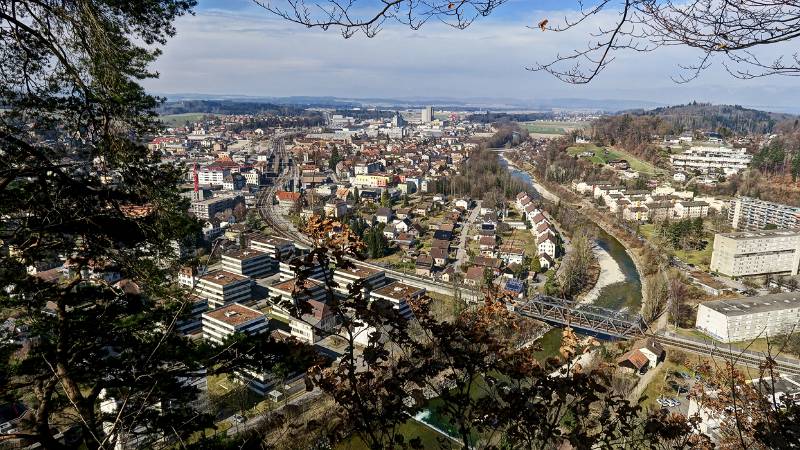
<point>424,265</point>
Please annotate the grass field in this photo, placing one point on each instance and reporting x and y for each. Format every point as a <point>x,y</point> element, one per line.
<point>552,127</point>
<point>699,258</point>
<point>602,155</point>
<point>173,120</point>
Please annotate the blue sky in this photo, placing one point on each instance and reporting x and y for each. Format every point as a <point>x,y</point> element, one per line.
<point>235,47</point>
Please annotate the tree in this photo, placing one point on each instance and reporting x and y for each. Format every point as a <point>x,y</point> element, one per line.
<point>240,212</point>
<point>73,114</point>
<point>734,34</point>
<point>386,201</point>
<point>335,158</point>
<point>536,265</point>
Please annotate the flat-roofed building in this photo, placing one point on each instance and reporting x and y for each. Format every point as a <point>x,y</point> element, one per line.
<point>290,291</point>
<point>277,248</point>
<point>206,209</point>
<point>747,213</point>
<point>228,320</point>
<point>221,287</point>
<point>286,272</point>
<point>756,253</point>
<point>748,318</point>
<point>223,322</point>
<point>399,294</point>
<point>192,321</point>
<point>710,159</point>
<point>345,277</point>
<point>248,262</point>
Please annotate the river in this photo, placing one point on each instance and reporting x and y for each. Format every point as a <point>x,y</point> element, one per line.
<point>619,287</point>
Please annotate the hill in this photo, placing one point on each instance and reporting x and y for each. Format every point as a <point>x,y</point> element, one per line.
<point>705,116</point>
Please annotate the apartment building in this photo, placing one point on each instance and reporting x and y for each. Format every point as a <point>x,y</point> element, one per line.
<point>747,213</point>
<point>223,322</point>
<point>756,253</point>
<point>192,321</point>
<point>206,209</point>
<point>315,325</point>
<point>749,318</point>
<point>399,294</point>
<point>221,287</point>
<point>712,159</point>
<point>290,291</point>
<point>690,209</point>
<point>277,248</point>
<point>345,277</point>
<point>248,262</point>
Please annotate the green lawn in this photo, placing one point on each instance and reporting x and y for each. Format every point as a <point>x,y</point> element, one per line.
<point>173,120</point>
<point>699,258</point>
<point>602,155</point>
<point>552,127</point>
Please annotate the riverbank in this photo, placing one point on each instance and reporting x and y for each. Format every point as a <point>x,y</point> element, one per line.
<point>555,192</point>
<point>609,273</point>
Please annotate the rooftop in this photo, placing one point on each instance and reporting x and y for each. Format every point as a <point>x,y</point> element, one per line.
<point>398,291</point>
<point>291,284</point>
<point>222,278</point>
<point>243,254</point>
<point>359,271</point>
<point>234,314</point>
<point>743,235</point>
<point>754,305</point>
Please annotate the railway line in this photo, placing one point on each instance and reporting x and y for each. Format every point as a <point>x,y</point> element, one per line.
<point>735,355</point>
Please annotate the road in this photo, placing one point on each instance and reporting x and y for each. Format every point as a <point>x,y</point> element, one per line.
<point>461,253</point>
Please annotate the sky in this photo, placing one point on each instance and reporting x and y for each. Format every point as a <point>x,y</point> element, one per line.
<point>234,47</point>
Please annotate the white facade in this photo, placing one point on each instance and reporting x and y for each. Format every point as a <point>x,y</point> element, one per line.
<point>756,253</point>
<point>221,287</point>
<point>746,213</point>
<point>749,318</point>
<point>712,159</point>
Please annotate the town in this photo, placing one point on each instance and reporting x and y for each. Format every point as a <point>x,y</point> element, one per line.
<point>407,269</point>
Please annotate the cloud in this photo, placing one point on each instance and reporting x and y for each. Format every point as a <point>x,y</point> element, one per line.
<point>245,51</point>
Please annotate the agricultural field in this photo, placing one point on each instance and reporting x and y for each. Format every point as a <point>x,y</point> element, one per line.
<point>604,154</point>
<point>552,127</point>
<point>173,120</point>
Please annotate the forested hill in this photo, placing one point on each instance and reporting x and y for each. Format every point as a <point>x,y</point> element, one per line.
<point>705,116</point>
<point>708,117</point>
<point>634,130</point>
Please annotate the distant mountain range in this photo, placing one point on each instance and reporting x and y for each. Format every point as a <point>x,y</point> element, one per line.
<point>469,104</point>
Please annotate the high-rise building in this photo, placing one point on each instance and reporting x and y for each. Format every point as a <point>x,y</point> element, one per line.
<point>748,253</point>
<point>747,213</point>
<point>427,114</point>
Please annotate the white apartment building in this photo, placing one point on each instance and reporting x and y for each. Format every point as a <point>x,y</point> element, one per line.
<point>747,213</point>
<point>212,175</point>
<point>756,252</point>
<point>345,277</point>
<point>314,326</point>
<point>690,209</point>
<point>290,292</point>
<point>248,262</point>
<point>221,287</point>
<point>712,159</point>
<point>427,114</point>
<point>277,248</point>
<point>399,294</point>
<point>749,318</point>
<point>222,323</point>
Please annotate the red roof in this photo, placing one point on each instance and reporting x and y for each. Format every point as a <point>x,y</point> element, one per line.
<point>285,196</point>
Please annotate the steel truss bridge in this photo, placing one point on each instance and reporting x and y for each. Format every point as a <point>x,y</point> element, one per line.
<point>587,318</point>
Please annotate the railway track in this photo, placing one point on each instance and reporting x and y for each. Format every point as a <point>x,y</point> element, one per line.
<point>738,356</point>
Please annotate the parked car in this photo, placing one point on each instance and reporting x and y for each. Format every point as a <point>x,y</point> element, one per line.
<point>238,418</point>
